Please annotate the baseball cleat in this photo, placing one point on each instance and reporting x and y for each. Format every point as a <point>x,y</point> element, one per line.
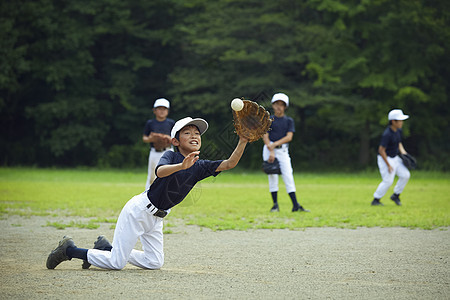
<point>101,243</point>
<point>376,202</point>
<point>275,208</point>
<point>396,199</point>
<point>59,255</point>
<point>299,208</point>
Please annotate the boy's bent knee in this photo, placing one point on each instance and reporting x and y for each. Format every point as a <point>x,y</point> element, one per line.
<point>118,265</point>
<point>157,264</point>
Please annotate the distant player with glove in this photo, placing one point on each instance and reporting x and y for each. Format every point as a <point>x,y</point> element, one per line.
<point>142,216</point>
<point>389,161</point>
<point>276,146</point>
<point>157,134</point>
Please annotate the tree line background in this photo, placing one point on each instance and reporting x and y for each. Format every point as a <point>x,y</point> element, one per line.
<point>78,78</point>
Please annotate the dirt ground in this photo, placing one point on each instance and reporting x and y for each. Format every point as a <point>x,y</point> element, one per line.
<point>315,263</point>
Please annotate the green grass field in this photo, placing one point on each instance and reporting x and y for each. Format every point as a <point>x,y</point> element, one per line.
<point>232,200</point>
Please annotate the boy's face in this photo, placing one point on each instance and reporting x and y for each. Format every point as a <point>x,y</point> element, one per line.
<point>279,107</point>
<point>161,112</point>
<point>397,124</point>
<point>189,139</point>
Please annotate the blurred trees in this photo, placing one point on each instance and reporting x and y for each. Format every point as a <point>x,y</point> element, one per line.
<point>78,79</point>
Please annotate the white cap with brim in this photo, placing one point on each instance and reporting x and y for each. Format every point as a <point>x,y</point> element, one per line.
<point>281,97</point>
<point>201,124</point>
<point>161,102</point>
<point>397,114</point>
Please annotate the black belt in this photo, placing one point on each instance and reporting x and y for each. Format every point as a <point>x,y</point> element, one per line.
<point>160,150</point>
<point>279,147</point>
<point>156,211</point>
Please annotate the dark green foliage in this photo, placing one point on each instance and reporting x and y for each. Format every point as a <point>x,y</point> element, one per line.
<point>130,156</point>
<point>78,78</point>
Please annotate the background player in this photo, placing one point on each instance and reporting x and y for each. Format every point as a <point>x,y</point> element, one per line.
<point>389,163</point>
<point>276,145</point>
<point>157,133</point>
<point>142,216</point>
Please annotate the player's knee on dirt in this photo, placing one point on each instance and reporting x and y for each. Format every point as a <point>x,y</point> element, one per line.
<point>118,264</point>
<point>159,264</point>
<point>156,264</point>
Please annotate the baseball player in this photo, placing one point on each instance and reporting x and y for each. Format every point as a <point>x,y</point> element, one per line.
<point>276,145</point>
<point>142,216</point>
<point>389,163</point>
<point>157,134</point>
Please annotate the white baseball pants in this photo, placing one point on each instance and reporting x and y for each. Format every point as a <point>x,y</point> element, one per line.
<point>135,221</point>
<point>282,154</point>
<point>153,160</point>
<point>388,178</point>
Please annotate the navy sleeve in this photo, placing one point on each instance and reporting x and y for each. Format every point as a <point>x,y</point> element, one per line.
<point>384,140</point>
<point>291,127</point>
<point>206,168</point>
<point>166,159</point>
<point>148,127</point>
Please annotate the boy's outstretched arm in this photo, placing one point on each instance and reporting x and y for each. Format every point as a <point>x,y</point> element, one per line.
<point>189,161</point>
<point>234,158</point>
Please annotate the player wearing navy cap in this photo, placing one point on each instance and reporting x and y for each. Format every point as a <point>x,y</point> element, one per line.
<point>389,162</point>
<point>276,145</point>
<point>142,216</point>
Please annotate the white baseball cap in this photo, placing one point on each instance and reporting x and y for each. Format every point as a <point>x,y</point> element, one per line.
<point>161,102</point>
<point>282,97</point>
<point>201,124</point>
<point>397,114</point>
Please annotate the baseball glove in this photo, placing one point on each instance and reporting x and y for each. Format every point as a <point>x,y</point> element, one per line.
<point>252,121</point>
<point>271,168</point>
<point>408,160</point>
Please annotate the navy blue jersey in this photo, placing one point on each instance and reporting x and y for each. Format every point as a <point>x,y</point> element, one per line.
<point>164,127</point>
<point>167,192</point>
<point>280,127</point>
<point>390,140</point>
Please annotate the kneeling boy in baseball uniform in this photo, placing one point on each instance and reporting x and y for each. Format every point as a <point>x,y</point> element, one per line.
<point>142,216</point>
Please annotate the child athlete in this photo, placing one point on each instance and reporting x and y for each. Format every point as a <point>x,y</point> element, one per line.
<point>142,217</point>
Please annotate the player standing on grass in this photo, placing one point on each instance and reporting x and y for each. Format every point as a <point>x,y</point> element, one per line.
<point>276,145</point>
<point>389,161</point>
<point>157,133</point>
<point>142,216</point>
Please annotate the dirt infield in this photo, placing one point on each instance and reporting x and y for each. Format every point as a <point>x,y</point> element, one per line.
<point>315,263</point>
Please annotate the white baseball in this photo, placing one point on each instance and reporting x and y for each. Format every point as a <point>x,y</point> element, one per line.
<point>237,104</point>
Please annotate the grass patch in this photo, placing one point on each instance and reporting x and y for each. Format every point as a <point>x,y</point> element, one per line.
<point>89,225</point>
<point>233,200</point>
